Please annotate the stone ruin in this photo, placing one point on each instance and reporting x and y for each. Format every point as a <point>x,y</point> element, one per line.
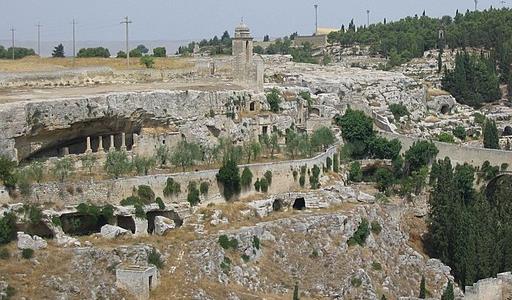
<point>137,280</point>
<point>499,288</point>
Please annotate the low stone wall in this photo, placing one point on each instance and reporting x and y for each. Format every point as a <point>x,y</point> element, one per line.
<point>499,288</point>
<point>457,153</point>
<point>113,191</point>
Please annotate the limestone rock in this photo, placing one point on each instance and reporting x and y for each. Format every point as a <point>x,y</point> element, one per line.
<point>111,232</point>
<point>218,218</point>
<point>64,240</point>
<point>162,224</point>
<point>25,241</point>
<point>366,198</point>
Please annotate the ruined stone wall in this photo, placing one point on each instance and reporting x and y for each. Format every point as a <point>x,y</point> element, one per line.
<point>458,154</point>
<point>113,191</point>
<point>499,288</point>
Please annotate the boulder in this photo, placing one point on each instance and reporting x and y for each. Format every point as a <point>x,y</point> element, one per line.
<point>111,232</point>
<point>25,241</point>
<point>365,198</point>
<point>162,224</point>
<point>64,240</point>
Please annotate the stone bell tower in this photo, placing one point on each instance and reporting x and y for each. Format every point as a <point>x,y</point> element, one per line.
<point>243,43</point>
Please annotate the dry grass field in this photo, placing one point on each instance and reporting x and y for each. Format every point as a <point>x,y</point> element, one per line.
<point>36,64</point>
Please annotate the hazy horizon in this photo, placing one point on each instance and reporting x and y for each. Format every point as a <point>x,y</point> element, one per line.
<point>173,22</point>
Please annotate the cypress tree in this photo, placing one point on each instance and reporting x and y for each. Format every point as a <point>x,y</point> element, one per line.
<point>296,292</point>
<point>423,288</point>
<point>491,138</point>
<point>448,292</point>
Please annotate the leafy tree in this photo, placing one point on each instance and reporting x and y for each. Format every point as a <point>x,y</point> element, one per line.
<point>89,162</point>
<point>355,174</point>
<point>185,154</point>
<point>93,52</point>
<point>229,177</point>
<point>266,38</point>
<point>252,149</point>
<point>117,164</point>
<point>384,178</point>
<point>121,54</point>
<point>303,54</point>
<point>355,126</point>
<point>143,164</point>
<point>143,49</point>
<point>246,178</point>
<point>274,99</point>
<point>162,155</point>
<point>423,289</point>
<point>419,155</point>
<point>135,53</point>
<point>491,137</point>
<point>145,194</point>
<point>62,168</point>
<point>19,52</point>
<point>314,178</point>
<point>58,51</point>
<point>147,61</point>
<point>36,171</point>
<point>322,138</point>
<point>361,234</point>
<point>379,147</point>
<point>264,185</point>
<point>160,52</point>
<point>460,132</point>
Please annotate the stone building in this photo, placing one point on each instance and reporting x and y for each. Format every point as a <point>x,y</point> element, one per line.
<point>138,280</point>
<point>248,69</point>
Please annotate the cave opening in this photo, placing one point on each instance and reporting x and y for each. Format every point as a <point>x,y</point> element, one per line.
<point>299,204</point>
<point>277,205</point>
<point>40,229</point>
<point>79,224</point>
<point>126,222</point>
<point>170,214</point>
<point>445,109</point>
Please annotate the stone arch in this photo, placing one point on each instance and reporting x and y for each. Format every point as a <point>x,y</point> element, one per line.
<point>299,204</point>
<point>491,186</point>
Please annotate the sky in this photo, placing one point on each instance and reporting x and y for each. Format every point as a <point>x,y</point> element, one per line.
<point>173,20</point>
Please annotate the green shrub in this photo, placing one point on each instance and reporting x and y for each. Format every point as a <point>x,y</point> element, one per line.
<point>155,258</point>
<point>355,173</point>
<point>132,200</point>
<point>256,242</point>
<point>295,174</point>
<point>7,228</point>
<point>445,137</point>
<point>4,253</point>
<point>193,194</point>
<point>479,118</point>
<point>460,132</point>
<point>33,213</point>
<point>227,243</point>
<point>376,227</point>
<point>314,178</point>
<point>356,282</point>
<point>504,167</point>
<point>384,179</point>
<point>9,292</point>
<point>245,258</point>
<point>335,163</point>
<point>264,185</point>
<point>268,177</point>
<point>27,253</point>
<point>246,178</point>
<point>398,111</point>
<point>139,212</point>
<point>314,254</point>
<point>225,265</point>
<point>328,163</point>
<point>376,266</point>
<point>56,221</point>
<point>172,188</point>
<point>274,99</point>
<point>117,163</point>
<point>229,177</point>
<point>146,194</point>
<point>147,61</point>
<point>204,187</point>
<point>160,202</point>
<point>362,232</point>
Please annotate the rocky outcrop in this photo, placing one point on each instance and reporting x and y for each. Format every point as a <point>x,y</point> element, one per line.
<point>112,232</point>
<point>25,241</point>
<point>163,224</point>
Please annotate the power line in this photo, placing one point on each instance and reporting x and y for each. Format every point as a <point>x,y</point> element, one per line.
<point>127,22</point>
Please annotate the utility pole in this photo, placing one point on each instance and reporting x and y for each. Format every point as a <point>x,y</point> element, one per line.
<point>368,17</point>
<point>126,22</point>
<point>316,18</point>
<point>39,39</point>
<point>12,33</point>
<point>74,42</point>
<point>476,5</point>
